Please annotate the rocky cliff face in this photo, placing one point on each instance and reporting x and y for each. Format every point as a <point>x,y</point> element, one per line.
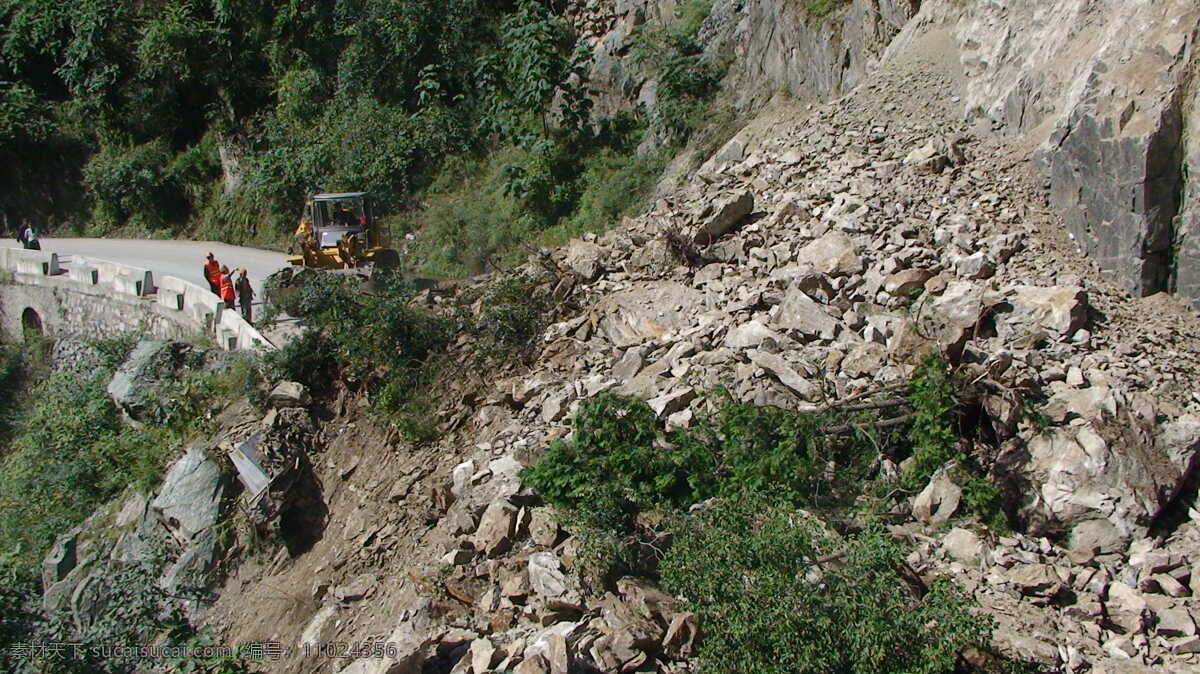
<point>1103,90</point>
<point>1106,89</point>
<point>771,47</point>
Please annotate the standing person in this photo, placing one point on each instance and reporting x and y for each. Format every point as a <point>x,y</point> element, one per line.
<point>227,287</point>
<point>245,293</point>
<point>30,238</point>
<point>212,274</point>
<point>304,231</point>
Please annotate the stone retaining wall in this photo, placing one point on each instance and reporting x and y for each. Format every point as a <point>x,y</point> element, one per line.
<point>95,298</point>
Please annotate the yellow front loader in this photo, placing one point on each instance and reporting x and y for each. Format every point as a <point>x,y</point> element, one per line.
<point>338,231</point>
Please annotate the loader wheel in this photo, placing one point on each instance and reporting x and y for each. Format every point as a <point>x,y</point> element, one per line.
<point>386,258</point>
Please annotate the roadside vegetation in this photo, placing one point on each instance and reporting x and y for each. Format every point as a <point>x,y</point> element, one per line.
<point>375,338</point>
<point>66,450</point>
<point>769,523</point>
<point>468,120</point>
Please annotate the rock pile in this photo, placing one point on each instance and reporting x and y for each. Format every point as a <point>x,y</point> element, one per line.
<point>818,255</point>
<point>828,258</point>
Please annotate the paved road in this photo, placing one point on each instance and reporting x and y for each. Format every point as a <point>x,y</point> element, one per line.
<point>168,257</point>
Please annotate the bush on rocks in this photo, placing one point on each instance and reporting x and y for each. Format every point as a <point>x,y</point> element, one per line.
<point>777,592</point>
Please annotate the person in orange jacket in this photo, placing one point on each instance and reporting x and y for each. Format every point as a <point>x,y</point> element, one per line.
<point>227,293</point>
<point>212,274</point>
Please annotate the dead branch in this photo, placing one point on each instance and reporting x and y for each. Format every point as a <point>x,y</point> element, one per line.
<point>847,429</point>
<point>840,404</point>
<point>880,405</point>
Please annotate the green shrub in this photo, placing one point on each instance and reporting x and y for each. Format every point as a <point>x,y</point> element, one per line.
<point>10,383</point>
<point>932,434</point>
<point>133,184</point>
<point>135,611</point>
<point>69,450</point>
<point>59,466</point>
<point>767,602</point>
<point>618,463</point>
<point>771,450</point>
<point>307,359</point>
<point>481,211</point>
<point>467,219</point>
<point>374,338</point>
<point>687,77</point>
<point>613,185</point>
<point>512,312</point>
<point>934,443</point>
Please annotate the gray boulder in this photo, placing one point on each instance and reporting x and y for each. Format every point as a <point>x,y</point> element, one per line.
<point>833,254</point>
<point>289,394</point>
<point>1127,474</point>
<point>723,215</point>
<point>1057,310</point>
<point>800,314</point>
<point>189,501</point>
<point>631,317</point>
<point>143,386</point>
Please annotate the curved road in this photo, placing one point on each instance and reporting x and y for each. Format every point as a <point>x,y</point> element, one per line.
<point>183,259</point>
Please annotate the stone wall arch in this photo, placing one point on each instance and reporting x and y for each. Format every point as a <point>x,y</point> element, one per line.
<point>31,323</point>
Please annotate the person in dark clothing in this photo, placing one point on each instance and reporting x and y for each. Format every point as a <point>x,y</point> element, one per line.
<point>343,217</point>
<point>245,294</point>
<point>29,237</point>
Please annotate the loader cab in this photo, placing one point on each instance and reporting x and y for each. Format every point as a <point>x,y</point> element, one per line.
<point>336,215</point>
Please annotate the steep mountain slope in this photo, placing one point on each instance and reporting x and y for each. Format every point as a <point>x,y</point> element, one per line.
<point>939,203</point>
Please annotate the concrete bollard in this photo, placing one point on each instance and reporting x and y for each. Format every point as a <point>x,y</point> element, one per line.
<point>198,302</point>
<point>84,273</point>
<point>35,263</point>
<point>170,299</point>
<point>123,278</point>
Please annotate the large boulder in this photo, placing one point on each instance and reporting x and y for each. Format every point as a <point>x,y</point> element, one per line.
<point>800,314</point>
<point>956,315</point>
<point>141,386</point>
<point>940,499</point>
<point>833,254</point>
<point>584,258</point>
<point>545,575</point>
<point>1058,311</point>
<point>631,317</point>
<point>784,372</point>
<point>189,501</point>
<point>1119,469</point>
<point>751,334</point>
<point>496,529</point>
<point>723,214</point>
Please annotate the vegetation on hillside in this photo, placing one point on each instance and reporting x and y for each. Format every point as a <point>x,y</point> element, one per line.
<point>471,117</point>
<point>778,593</point>
<point>380,341</point>
<point>69,450</point>
<point>778,590</point>
<point>64,452</point>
